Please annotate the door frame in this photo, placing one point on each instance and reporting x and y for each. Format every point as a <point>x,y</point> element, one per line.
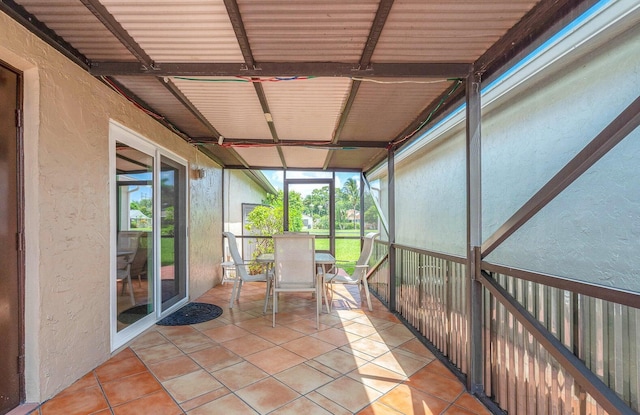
<point>20,224</point>
<point>120,133</point>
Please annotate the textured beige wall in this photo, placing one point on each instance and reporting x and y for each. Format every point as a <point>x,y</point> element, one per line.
<point>68,233</point>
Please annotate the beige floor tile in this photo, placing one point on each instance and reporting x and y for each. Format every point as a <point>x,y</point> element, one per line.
<point>349,393</point>
<point>204,399</point>
<point>228,404</point>
<point>471,403</point>
<point>340,361</point>
<point>240,375</point>
<point>279,334</point>
<point>305,325</point>
<point>267,395</point>
<point>301,406</point>
<point>377,377</point>
<point>378,408</point>
<point>308,347</point>
<point>416,347</point>
<point>225,333</point>
<point>360,329</point>
<point>192,342</point>
<point>457,410</point>
<point>191,385</point>
<point>149,339</point>
<point>409,401</point>
<point>335,336</point>
<point>303,378</point>
<point>215,358</point>
<point>378,323</point>
<point>323,368</point>
<point>174,367</point>
<point>158,353</point>
<point>400,363</point>
<point>370,347</point>
<point>275,359</point>
<point>327,404</point>
<point>434,384</point>
<point>247,345</point>
<point>394,335</point>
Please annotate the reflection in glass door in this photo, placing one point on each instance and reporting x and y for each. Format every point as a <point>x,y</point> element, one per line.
<point>172,232</point>
<point>134,256</point>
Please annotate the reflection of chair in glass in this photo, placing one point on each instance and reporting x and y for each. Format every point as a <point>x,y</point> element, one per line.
<point>139,263</point>
<point>241,273</point>
<point>294,268</point>
<point>127,248</point>
<point>359,275</point>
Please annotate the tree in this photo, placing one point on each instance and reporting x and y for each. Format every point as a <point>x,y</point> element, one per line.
<point>268,220</point>
<point>316,204</point>
<point>351,195</point>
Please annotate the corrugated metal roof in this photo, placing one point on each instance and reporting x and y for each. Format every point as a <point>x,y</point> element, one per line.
<point>139,42</point>
<point>151,91</point>
<point>71,20</point>
<point>381,111</point>
<point>326,31</point>
<point>178,31</point>
<point>445,31</point>
<point>260,156</point>
<point>230,105</point>
<point>307,109</point>
<point>304,157</point>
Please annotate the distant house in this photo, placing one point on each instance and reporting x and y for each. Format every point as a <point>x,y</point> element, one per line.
<point>353,215</point>
<point>307,221</point>
<point>138,219</point>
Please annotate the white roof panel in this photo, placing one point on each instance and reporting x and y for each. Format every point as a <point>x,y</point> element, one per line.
<point>307,109</point>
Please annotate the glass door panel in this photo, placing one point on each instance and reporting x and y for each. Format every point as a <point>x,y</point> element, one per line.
<point>309,209</point>
<point>172,232</point>
<point>134,256</point>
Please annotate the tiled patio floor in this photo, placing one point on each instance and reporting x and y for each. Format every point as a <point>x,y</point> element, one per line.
<point>357,362</point>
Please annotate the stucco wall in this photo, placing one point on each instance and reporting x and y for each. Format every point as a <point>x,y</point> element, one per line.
<point>239,189</point>
<point>68,232</point>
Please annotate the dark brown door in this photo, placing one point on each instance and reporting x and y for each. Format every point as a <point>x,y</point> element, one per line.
<point>11,242</point>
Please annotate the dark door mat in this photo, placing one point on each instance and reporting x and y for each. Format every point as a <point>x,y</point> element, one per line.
<point>192,313</point>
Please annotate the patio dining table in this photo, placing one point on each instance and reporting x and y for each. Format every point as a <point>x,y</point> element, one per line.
<point>323,259</point>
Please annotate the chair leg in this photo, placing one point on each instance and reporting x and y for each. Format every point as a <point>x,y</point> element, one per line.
<point>238,290</point>
<point>267,295</point>
<point>233,293</point>
<point>327,301</point>
<point>133,300</point>
<point>318,306</point>
<point>274,308</point>
<point>366,290</point>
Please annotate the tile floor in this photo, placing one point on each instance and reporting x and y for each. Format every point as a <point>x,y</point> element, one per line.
<point>358,362</point>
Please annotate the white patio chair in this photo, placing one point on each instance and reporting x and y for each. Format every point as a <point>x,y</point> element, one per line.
<point>242,275</point>
<point>359,275</point>
<point>294,268</point>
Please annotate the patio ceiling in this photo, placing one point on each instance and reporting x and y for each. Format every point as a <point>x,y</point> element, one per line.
<point>323,84</point>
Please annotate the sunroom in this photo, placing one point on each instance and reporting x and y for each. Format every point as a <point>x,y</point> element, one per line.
<point>493,147</point>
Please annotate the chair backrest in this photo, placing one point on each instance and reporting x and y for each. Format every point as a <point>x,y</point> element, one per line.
<point>365,254</point>
<point>127,242</point>
<point>241,270</point>
<point>294,261</point>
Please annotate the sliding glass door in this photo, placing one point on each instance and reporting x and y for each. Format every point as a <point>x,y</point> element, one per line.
<point>172,228</point>
<point>149,275</point>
